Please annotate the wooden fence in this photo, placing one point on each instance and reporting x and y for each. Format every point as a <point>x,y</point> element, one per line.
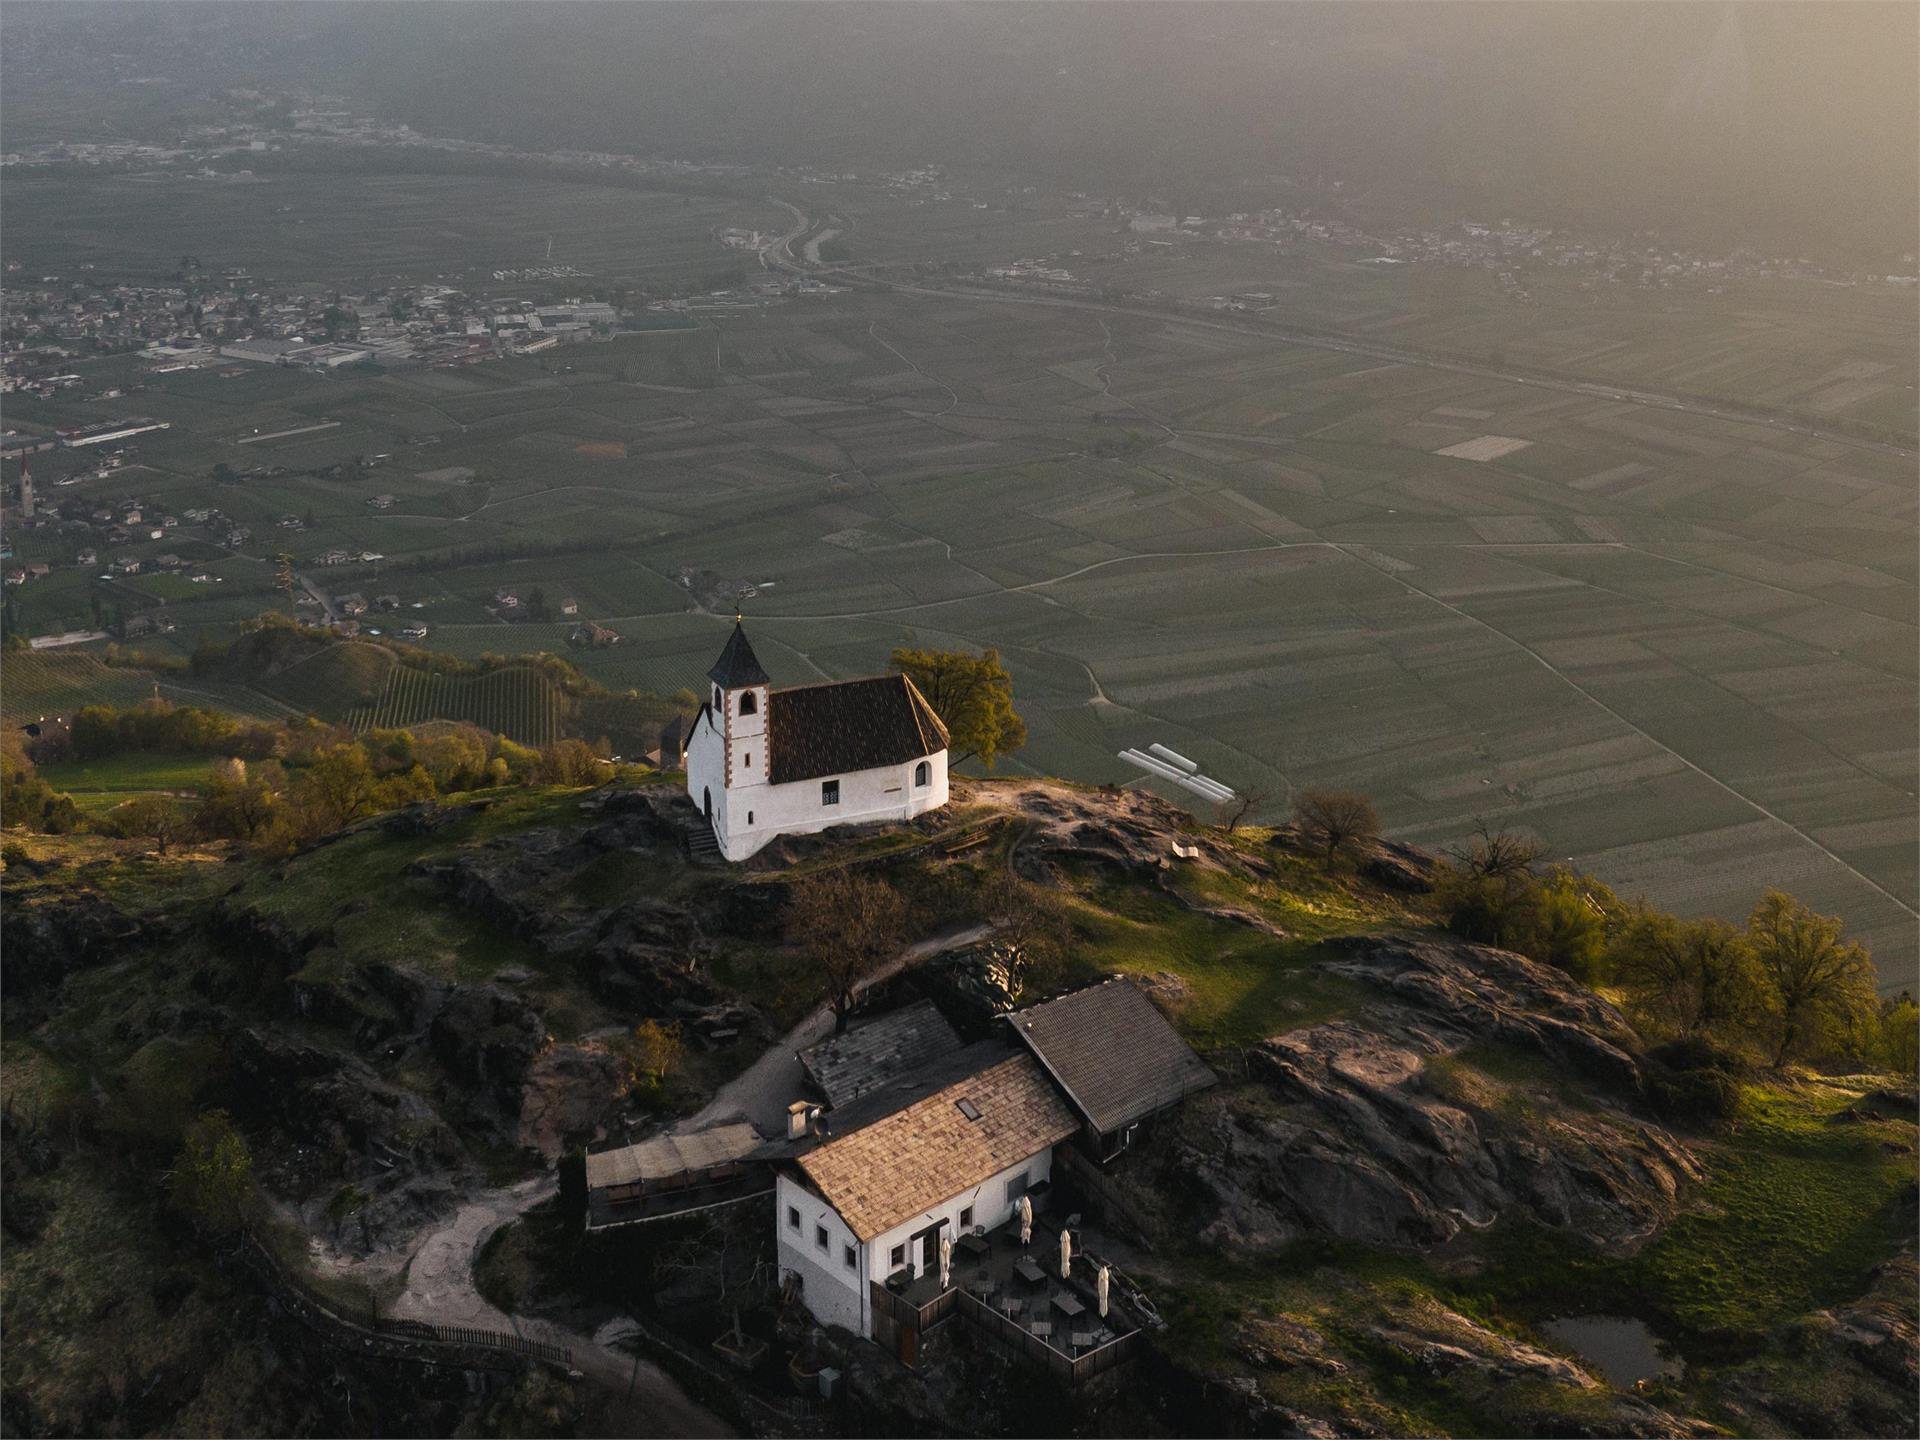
<point>1073,1370</point>
<point>721,1387</point>
<point>901,1314</point>
<point>357,1318</point>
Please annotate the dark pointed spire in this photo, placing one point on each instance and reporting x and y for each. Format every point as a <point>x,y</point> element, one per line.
<point>737,667</point>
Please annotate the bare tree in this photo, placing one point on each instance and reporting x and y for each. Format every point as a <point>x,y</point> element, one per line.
<point>1031,918</point>
<point>160,817</point>
<point>1337,818</point>
<point>1496,854</point>
<point>1233,812</point>
<point>848,926</point>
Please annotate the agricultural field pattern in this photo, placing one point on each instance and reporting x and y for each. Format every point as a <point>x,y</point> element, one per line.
<point>1676,641</point>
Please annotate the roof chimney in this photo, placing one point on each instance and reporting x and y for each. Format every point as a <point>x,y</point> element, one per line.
<point>800,1118</point>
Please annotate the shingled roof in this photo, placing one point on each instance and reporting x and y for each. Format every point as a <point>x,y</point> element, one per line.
<point>847,1066</point>
<point>915,1158</point>
<point>1113,1052</point>
<point>737,667</point>
<point>847,725</point>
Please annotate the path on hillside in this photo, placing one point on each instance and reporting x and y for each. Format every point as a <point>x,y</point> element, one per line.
<point>435,1270</point>
<point>761,1093</point>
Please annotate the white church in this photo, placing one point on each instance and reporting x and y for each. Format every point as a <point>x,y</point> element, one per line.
<point>762,763</point>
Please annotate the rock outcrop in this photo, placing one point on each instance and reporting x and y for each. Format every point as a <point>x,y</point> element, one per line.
<point>1365,1127</point>
<point>1851,1370</point>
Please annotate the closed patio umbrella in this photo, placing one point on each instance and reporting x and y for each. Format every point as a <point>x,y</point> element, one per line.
<point>1025,1211</point>
<point>1100,1290</point>
<point>946,1259</point>
<point>1066,1255</point>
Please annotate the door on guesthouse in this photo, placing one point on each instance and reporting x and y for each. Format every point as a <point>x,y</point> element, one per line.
<point>926,1248</point>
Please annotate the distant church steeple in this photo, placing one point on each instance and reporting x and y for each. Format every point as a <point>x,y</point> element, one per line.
<point>26,491</point>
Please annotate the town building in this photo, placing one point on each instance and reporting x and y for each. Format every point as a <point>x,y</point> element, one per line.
<point>875,1201</point>
<point>765,762</point>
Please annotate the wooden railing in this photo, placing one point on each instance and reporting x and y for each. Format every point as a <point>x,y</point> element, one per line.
<point>1072,1370</point>
<point>356,1317</point>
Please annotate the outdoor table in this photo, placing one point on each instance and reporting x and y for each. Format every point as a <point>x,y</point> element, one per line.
<point>1028,1271</point>
<point>1041,1329</point>
<point>1009,1305</point>
<point>972,1244</point>
<point>1068,1306</point>
<point>1083,1339</point>
<point>983,1286</point>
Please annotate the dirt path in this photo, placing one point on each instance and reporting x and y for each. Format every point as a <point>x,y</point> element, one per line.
<point>435,1271</point>
<point>761,1093</point>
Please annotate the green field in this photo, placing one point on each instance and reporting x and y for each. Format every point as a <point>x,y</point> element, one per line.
<point>516,701</point>
<point>98,785</point>
<point>36,684</point>
<point>333,681</point>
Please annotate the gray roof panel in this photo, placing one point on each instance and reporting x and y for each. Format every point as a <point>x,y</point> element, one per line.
<point>1113,1052</point>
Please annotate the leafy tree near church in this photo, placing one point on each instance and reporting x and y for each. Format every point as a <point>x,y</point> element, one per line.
<point>972,695</point>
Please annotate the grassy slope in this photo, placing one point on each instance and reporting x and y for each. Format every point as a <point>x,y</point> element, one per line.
<point>1244,982</point>
<point>98,785</point>
<point>1801,1202</point>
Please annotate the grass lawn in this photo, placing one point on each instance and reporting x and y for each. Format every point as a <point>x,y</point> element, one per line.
<point>1800,1204</point>
<point>102,784</point>
<point>1244,983</point>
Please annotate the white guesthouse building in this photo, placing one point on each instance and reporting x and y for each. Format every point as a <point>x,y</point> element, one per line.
<point>762,762</point>
<point>861,1207</point>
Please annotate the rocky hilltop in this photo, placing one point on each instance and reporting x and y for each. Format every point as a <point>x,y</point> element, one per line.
<point>1424,1154</point>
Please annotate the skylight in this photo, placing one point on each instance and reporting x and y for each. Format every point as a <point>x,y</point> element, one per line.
<point>967,1108</point>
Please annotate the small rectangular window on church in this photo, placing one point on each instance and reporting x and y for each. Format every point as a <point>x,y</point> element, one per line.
<point>830,792</point>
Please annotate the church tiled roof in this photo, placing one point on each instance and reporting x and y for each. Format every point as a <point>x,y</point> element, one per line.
<point>737,666</point>
<point>847,725</point>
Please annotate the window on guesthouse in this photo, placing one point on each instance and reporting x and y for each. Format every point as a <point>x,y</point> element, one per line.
<point>1016,1187</point>
<point>896,1257</point>
<point>830,792</point>
<point>966,1218</point>
<point>820,1236</point>
<point>850,1256</point>
<point>793,1217</point>
<point>922,775</point>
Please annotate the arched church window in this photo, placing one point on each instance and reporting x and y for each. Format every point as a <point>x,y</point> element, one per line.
<point>922,774</point>
<point>749,703</point>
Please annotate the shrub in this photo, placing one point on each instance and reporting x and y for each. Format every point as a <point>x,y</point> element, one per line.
<point>1695,1081</point>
